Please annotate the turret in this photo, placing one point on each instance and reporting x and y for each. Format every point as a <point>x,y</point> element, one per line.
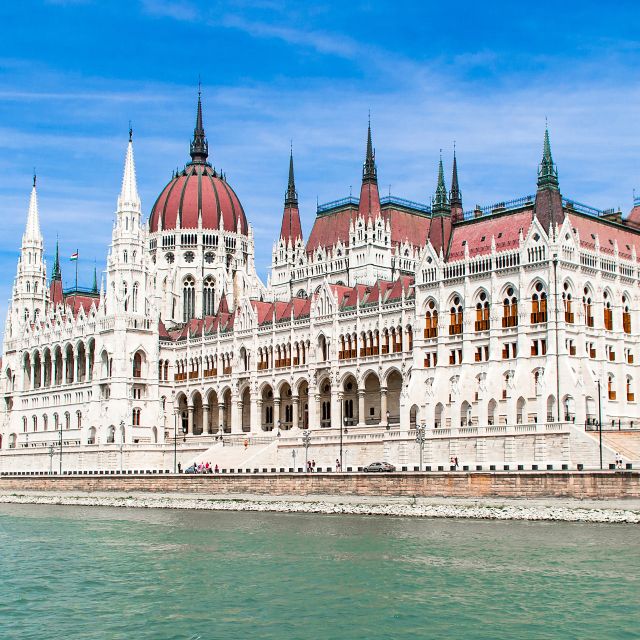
<point>30,287</point>
<point>455,196</point>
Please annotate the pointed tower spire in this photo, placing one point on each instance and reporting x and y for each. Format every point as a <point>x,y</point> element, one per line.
<point>291,197</point>
<point>455,197</point>
<point>57,274</point>
<point>441,205</point>
<point>32,230</point>
<point>369,171</point>
<point>547,171</point>
<point>199,145</point>
<point>440,225</point>
<point>129,200</point>
<point>291,229</point>
<point>548,205</point>
<point>369,206</point>
<point>94,288</point>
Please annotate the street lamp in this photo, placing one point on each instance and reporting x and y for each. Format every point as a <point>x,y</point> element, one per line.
<point>600,421</point>
<point>420,439</point>
<point>122,425</point>
<point>341,430</point>
<point>175,441</point>
<point>61,449</point>
<point>293,455</point>
<point>306,441</point>
<point>51,451</point>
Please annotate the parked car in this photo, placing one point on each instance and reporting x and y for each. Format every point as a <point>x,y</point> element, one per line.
<point>379,467</point>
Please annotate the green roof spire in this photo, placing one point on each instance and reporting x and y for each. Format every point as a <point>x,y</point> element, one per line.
<point>440,205</point>
<point>455,195</point>
<point>547,171</point>
<point>94,288</point>
<point>57,275</point>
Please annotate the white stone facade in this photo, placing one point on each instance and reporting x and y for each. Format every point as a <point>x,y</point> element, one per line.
<point>480,347</point>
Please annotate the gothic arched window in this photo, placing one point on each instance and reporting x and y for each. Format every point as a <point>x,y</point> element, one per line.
<point>188,299</point>
<point>208,297</point>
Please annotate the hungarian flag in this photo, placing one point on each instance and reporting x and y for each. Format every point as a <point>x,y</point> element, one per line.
<point>74,256</point>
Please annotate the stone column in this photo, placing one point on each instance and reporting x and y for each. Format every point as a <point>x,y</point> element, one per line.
<point>220,418</point>
<point>296,409</point>
<point>190,410</point>
<point>33,375</point>
<point>383,406</point>
<point>315,413</point>
<point>336,408</point>
<point>87,371</point>
<point>256,425</point>
<point>237,425</point>
<point>205,419</point>
<point>276,413</point>
<point>361,417</point>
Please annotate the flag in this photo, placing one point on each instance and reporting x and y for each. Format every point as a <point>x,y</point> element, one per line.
<point>74,256</point>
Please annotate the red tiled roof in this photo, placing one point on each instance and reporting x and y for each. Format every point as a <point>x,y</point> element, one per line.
<point>330,228</point>
<point>608,234</point>
<point>477,234</point>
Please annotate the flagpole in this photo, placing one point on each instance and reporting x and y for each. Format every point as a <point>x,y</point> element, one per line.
<point>76,290</point>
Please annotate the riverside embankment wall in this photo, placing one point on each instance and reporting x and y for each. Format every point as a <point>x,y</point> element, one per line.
<point>522,484</point>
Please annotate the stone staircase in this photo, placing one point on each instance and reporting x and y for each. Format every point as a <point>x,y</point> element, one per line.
<point>627,444</point>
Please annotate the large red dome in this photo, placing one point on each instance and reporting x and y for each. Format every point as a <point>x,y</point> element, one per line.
<point>198,189</point>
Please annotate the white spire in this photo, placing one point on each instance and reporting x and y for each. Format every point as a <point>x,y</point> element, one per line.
<point>129,200</point>
<point>32,232</point>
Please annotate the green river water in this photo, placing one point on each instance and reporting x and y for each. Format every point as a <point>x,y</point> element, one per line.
<point>106,573</point>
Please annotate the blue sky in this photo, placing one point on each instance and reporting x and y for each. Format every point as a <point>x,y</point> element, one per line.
<point>73,73</point>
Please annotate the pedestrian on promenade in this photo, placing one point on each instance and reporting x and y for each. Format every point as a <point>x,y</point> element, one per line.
<point>179,467</point>
<point>455,462</point>
<point>309,466</point>
<point>618,460</point>
<point>338,465</point>
<point>217,469</point>
<point>313,465</point>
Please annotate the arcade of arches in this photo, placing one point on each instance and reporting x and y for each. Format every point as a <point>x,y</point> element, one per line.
<point>283,407</point>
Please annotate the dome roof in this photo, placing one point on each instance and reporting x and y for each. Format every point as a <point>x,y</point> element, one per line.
<point>198,191</point>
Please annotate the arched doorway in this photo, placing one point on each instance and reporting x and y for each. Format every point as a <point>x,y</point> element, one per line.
<point>246,410</point>
<point>350,414</point>
<point>372,395</point>
<point>394,386</point>
<point>267,418</point>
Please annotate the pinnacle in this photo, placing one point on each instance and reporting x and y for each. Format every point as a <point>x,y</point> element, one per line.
<point>32,231</point>
<point>129,198</point>
<point>455,196</point>
<point>441,203</point>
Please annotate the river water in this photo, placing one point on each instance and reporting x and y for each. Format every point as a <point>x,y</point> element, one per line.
<point>106,573</point>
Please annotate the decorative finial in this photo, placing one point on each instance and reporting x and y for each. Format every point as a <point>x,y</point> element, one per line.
<point>369,171</point>
<point>34,177</point>
<point>291,197</point>
<point>199,146</point>
<point>547,171</point>
<point>130,132</point>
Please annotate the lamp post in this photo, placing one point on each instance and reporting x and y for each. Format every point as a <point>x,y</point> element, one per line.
<point>388,425</point>
<point>121,442</point>
<point>600,421</point>
<point>420,439</point>
<point>293,455</point>
<point>175,441</point>
<point>51,451</point>
<point>341,430</point>
<point>60,449</point>
<point>306,441</point>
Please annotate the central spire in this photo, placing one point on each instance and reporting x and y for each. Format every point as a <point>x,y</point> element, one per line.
<point>199,146</point>
<point>129,200</point>
<point>369,171</point>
